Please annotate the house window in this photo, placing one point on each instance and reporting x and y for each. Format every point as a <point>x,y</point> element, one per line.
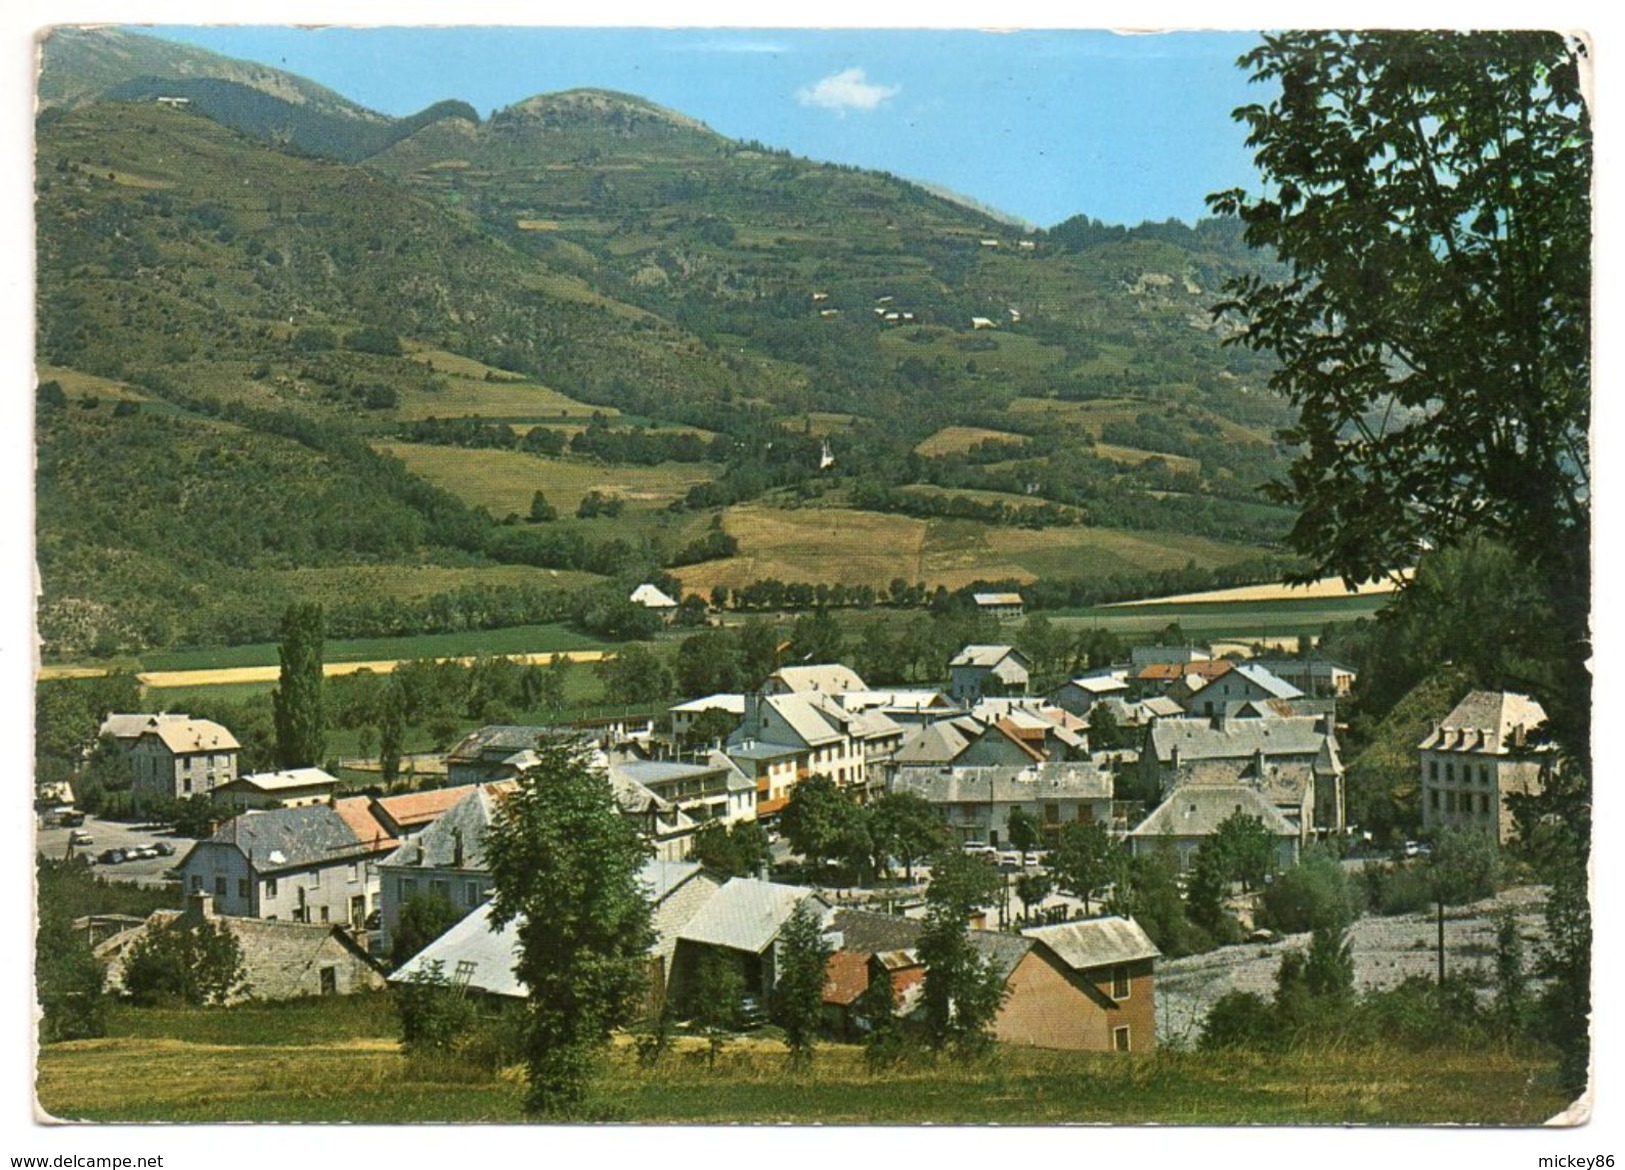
<point>1120,983</point>
<point>1450,801</point>
<point>409,889</point>
<point>471,894</point>
<point>242,889</point>
<point>440,889</point>
<point>270,887</point>
<point>1484,802</point>
<point>1433,798</point>
<point>1433,770</point>
<point>324,914</point>
<point>1484,775</point>
<point>1052,813</point>
<point>355,871</point>
<point>1450,773</point>
<point>1120,1040</point>
<point>330,980</point>
<point>197,884</point>
<point>219,887</point>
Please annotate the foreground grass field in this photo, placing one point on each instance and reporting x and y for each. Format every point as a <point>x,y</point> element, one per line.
<point>337,1061</point>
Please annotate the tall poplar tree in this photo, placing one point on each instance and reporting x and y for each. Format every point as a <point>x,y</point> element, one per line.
<point>301,722</point>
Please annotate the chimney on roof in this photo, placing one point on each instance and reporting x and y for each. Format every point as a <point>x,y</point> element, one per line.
<point>200,905</point>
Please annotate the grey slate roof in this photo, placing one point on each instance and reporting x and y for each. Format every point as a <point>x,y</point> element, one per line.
<point>984,655</point>
<point>1198,811</point>
<point>1198,739</point>
<point>1051,780</point>
<point>290,838</point>
<point>503,738</point>
<point>1096,942</point>
<point>935,743</point>
<point>465,822</point>
<point>747,914</point>
<point>1485,722</point>
<point>491,955</point>
<point>827,678</point>
<point>1273,685</point>
<point>867,932</point>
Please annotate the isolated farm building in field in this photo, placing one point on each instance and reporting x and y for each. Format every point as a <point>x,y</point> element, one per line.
<point>652,598</point>
<point>1000,605</point>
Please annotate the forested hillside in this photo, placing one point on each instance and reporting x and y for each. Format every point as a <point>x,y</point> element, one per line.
<point>278,331</point>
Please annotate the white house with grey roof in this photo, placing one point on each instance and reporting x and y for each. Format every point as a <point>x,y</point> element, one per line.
<point>446,860</point>
<point>1477,756</point>
<point>292,788</point>
<point>742,920</point>
<point>1190,815</point>
<point>176,757</point>
<point>1244,683</point>
<point>717,790</point>
<point>482,958</point>
<point>976,802</point>
<point>839,744</point>
<point>1294,762</point>
<point>683,715</point>
<point>293,864</point>
<point>980,671</point>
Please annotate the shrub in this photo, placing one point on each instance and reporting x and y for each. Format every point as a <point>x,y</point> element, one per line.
<point>1240,1019</point>
<point>1312,894</point>
<point>435,1015</point>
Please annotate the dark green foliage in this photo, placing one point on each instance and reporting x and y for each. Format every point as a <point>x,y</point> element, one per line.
<point>711,726</point>
<point>904,827</point>
<point>1328,971</point>
<point>596,503</point>
<point>68,978</point>
<point>423,918</point>
<point>391,728</point>
<point>822,823</point>
<point>886,1042</point>
<point>1564,960</point>
<point>1465,866</point>
<point>1104,733</point>
<point>963,883</point>
<point>1146,891</point>
<point>1026,833</point>
<point>737,850</point>
<point>540,510</point>
<point>963,989</point>
<point>193,963</point>
<point>436,1015</point>
<point>1206,891</point>
<point>1240,1019</point>
<point>1313,894</point>
<point>1512,1000</point>
<point>713,999</point>
<point>1244,850</point>
<point>194,816</point>
<point>798,999</point>
<point>1086,860</point>
<point>816,637</point>
<point>301,721</point>
<point>1033,888</point>
<point>709,663</point>
<point>611,613</point>
<point>564,864</point>
<point>634,676</point>
<point>68,715</point>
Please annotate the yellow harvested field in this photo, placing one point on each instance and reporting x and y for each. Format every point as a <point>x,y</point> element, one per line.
<point>263,674</point>
<point>1136,455</point>
<point>538,225</point>
<point>872,548</point>
<point>1315,590</point>
<point>954,440</point>
<point>812,544</point>
<point>505,481</point>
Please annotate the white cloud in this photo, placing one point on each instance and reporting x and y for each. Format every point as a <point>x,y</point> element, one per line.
<point>736,47</point>
<point>847,90</point>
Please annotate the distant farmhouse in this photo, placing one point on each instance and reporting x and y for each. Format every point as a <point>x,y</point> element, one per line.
<point>999,605</point>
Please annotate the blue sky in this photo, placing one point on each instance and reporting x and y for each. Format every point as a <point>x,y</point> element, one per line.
<point>1043,125</point>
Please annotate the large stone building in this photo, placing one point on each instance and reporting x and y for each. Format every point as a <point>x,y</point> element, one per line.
<point>174,757</point>
<point>1477,756</point>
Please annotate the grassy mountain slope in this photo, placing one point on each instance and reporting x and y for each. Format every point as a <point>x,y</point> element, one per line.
<point>586,252</point>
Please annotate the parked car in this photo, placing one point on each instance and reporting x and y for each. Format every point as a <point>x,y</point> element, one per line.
<point>1010,859</point>
<point>979,849</point>
<point>81,837</point>
<point>165,849</point>
<point>71,819</point>
<point>110,856</point>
